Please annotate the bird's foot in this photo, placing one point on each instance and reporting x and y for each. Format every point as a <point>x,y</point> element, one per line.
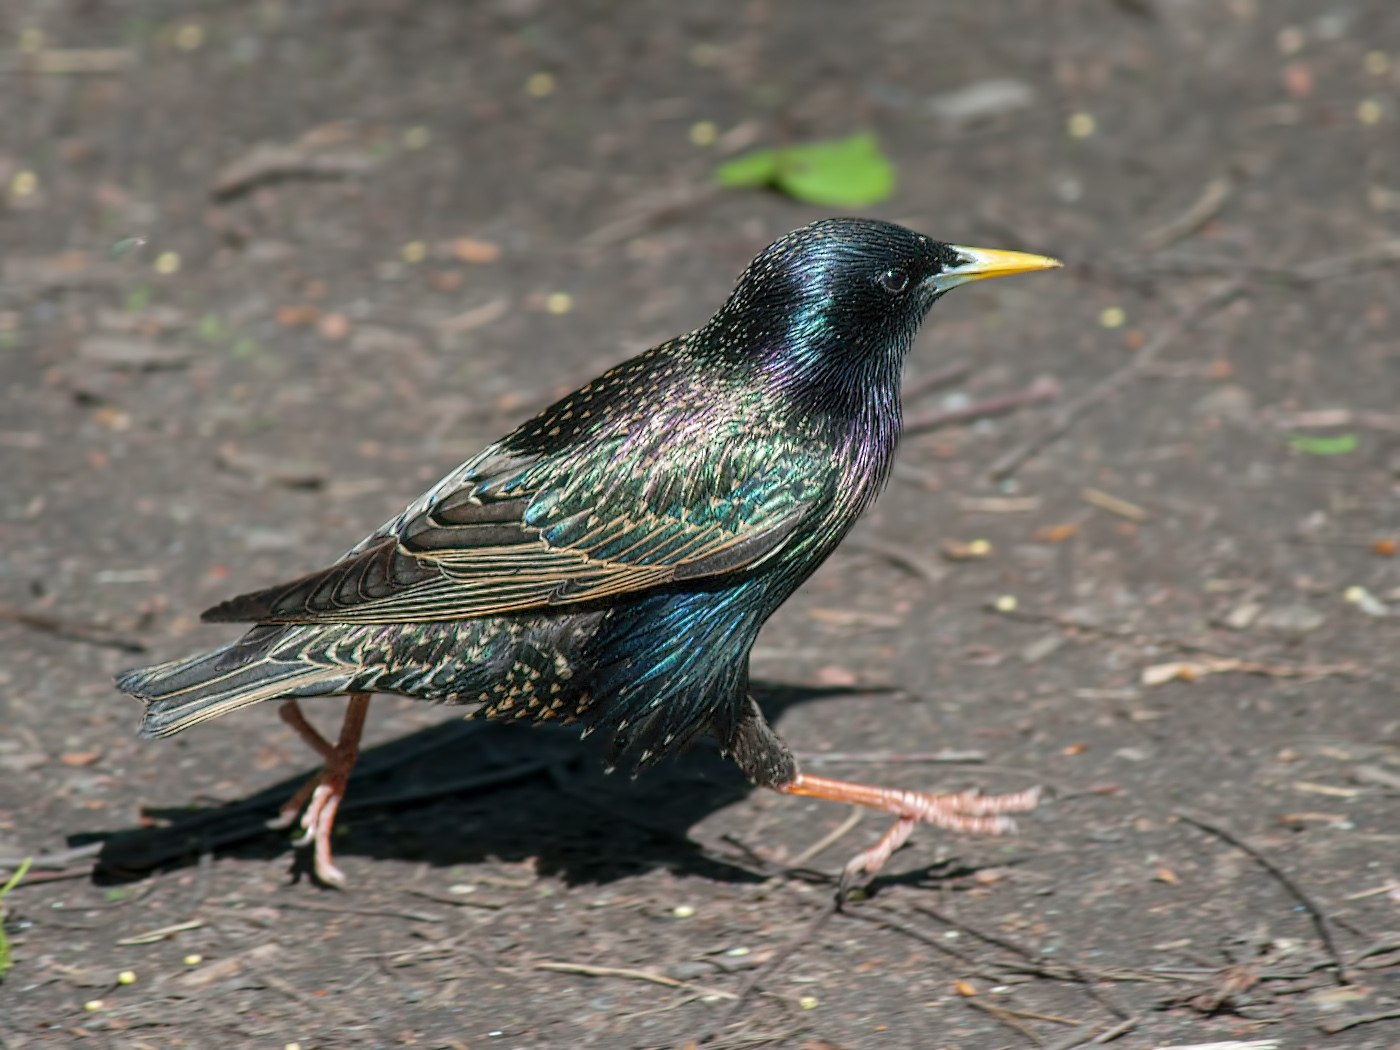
<point>319,798</point>
<point>970,812</point>
<point>317,824</point>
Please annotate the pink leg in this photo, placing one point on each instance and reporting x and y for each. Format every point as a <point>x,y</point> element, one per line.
<point>327,788</point>
<point>969,812</point>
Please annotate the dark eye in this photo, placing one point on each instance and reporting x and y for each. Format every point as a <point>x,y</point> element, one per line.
<point>894,280</point>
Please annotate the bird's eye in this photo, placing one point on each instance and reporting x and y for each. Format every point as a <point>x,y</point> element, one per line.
<point>894,280</point>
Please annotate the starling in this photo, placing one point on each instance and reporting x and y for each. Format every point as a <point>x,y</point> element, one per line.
<point>612,559</point>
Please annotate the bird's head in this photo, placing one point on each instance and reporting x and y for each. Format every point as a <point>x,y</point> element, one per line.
<point>832,308</point>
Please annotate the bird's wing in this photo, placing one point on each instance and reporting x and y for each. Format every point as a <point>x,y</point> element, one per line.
<point>509,533</point>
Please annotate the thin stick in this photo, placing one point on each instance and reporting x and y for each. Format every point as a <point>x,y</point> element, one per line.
<point>882,917</point>
<point>1044,389</point>
<point>902,557</point>
<point>944,377</point>
<point>1090,1034</point>
<point>1319,920</point>
<point>70,630</point>
<point>829,839</point>
<point>1034,958</point>
<point>1333,1025</point>
<point>649,976</point>
<point>1205,207</point>
<point>1005,1017</point>
<point>1060,423</point>
<point>768,969</point>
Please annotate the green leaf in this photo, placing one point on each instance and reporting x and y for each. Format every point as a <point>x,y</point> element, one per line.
<point>850,173</point>
<point>1337,445</point>
<point>844,173</point>
<point>126,244</point>
<point>749,171</point>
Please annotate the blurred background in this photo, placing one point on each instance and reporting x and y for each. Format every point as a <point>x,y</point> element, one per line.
<point>268,269</point>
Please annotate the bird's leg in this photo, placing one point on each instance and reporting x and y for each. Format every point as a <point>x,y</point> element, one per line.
<point>969,812</point>
<point>291,713</point>
<point>767,762</point>
<point>321,794</point>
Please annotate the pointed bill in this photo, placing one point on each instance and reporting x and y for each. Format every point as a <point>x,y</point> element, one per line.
<point>981,263</point>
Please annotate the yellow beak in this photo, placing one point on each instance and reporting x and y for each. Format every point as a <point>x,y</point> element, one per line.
<point>982,263</point>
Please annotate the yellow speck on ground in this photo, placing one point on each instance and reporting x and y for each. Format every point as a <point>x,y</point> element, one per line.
<point>1369,111</point>
<point>126,977</point>
<point>415,252</point>
<point>1112,317</point>
<point>683,911</point>
<point>540,85</point>
<point>808,1002</point>
<point>1081,125</point>
<point>24,183</point>
<point>189,37</point>
<point>704,133</point>
<point>1377,63</point>
<point>167,263</point>
<point>417,137</point>
<point>559,302</point>
<point>193,959</point>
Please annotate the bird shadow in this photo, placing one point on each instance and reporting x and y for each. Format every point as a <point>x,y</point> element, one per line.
<point>462,792</point>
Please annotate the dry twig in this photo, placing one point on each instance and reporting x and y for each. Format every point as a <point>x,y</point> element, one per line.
<point>649,976</point>
<point>71,630</point>
<point>768,969</point>
<point>1185,320</point>
<point>1200,211</point>
<point>1319,919</point>
<point>1044,389</point>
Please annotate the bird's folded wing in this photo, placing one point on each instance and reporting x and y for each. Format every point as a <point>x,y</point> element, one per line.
<point>549,535</point>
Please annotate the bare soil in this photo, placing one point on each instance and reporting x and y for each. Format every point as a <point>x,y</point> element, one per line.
<point>1180,620</point>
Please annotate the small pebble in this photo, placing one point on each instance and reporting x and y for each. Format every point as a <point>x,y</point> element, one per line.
<point>1112,317</point>
<point>414,252</point>
<point>93,1004</point>
<point>682,911</point>
<point>1005,603</point>
<point>1366,601</point>
<point>31,41</point>
<point>1369,111</point>
<point>193,959</point>
<point>417,137</point>
<point>1290,40</point>
<point>559,303</point>
<point>808,1002</point>
<point>126,977</point>
<point>1377,63</point>
<point>167,263</point>
<point>540,85</point>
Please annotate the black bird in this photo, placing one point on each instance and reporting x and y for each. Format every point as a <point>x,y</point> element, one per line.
<point>613,558</point>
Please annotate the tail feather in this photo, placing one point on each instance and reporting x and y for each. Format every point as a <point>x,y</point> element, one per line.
<point>183,693</point>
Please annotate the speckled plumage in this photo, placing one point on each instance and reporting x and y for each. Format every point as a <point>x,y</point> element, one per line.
<point>614,557</point>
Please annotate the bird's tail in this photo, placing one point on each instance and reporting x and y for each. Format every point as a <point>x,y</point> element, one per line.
<point>182,693</point>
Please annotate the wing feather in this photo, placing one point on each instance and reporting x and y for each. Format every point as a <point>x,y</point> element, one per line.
<point>507,533</point>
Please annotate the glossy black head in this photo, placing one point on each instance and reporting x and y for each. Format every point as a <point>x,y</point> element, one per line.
<point>841,300</point>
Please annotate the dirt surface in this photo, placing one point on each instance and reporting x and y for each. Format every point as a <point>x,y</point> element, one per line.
<point>1192,648</point>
